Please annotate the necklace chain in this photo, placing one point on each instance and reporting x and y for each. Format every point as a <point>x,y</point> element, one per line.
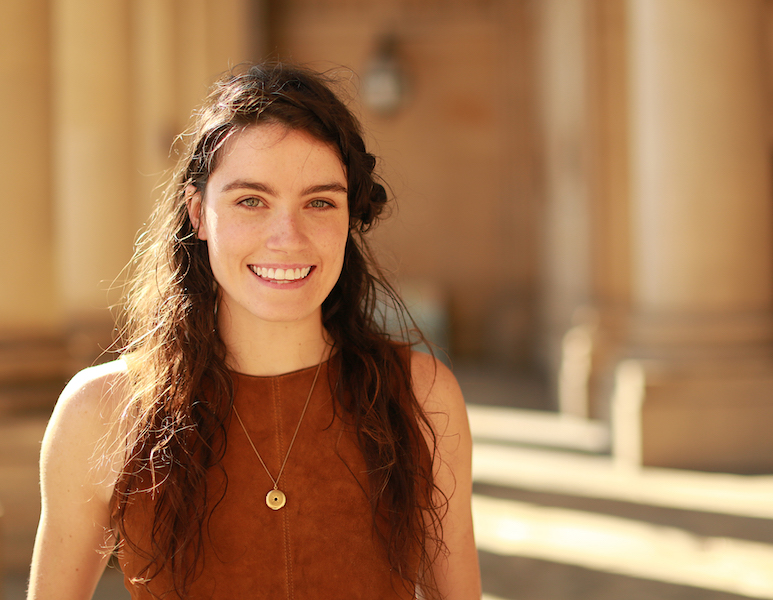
<point>276,502</point>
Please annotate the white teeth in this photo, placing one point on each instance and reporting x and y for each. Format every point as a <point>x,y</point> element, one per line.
<point>281,274</point>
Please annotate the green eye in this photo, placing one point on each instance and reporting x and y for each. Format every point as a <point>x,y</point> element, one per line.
<point>319,204</point>
<point>251,202</point>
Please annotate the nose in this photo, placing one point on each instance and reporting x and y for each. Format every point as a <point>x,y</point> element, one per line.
<point>286,231</point>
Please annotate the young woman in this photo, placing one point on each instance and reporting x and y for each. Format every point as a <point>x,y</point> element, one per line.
<point>261,436</point>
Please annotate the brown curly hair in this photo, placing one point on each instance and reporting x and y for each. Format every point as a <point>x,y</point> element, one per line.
<point>174,352</point>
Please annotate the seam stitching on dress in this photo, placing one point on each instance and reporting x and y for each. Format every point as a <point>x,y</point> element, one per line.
<point>288,557</point>
<point>285,525</point>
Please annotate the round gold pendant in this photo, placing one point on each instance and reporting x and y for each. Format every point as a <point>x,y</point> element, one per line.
<point>275,499</point>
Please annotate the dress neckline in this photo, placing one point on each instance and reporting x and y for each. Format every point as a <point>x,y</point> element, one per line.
<point>280,375</point>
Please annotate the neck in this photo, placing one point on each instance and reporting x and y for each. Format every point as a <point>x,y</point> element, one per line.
<point>266,348</point>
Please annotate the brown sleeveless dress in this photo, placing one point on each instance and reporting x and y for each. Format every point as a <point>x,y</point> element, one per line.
<point>321,544</point>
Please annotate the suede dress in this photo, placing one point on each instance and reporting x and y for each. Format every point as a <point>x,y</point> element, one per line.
<point>321,545</point>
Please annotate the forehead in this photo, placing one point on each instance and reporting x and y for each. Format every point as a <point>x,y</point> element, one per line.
<point>277,152</point>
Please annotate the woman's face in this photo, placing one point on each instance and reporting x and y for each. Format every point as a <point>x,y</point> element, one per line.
<point>275,218</point>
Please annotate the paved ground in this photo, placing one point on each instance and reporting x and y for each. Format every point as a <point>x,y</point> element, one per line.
<point>526,578</point>
<point>517,578</point>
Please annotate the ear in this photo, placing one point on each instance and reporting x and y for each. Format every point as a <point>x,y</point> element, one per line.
<point>193,201</point>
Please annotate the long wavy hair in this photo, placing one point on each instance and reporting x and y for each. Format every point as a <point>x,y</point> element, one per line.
<point>173,350</point>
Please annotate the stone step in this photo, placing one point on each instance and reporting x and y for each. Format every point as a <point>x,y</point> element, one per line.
<point>525,578</point>
<point>537,428</point>
<point>598,476</point>
<point>678,534</point>
<point>692,553</point>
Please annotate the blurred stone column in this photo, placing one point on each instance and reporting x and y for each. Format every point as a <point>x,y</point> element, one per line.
<point>31,314</point>
<point>92,130</point>
<point>566,130</point>
<point>179,47</point>
<point>30,304</point>
<point>154,97</point>
<point>702,246</point>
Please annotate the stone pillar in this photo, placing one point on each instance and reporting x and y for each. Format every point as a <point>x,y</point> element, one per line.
<point>92,161</point>
<point>155,96</point>
<point>587,262</point>
<point>29,304</point>
<point>564,95</point>
<point>31,316</point>
<point>179,48</point>
<point>702,246</point>
<point>701,156</point>
<point>214,36</point>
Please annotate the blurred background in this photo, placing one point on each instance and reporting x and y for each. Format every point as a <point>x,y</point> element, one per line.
<point>583,225</point>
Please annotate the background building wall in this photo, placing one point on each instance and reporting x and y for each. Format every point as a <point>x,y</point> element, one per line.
<point>577,186</point>
<point>457,153</point>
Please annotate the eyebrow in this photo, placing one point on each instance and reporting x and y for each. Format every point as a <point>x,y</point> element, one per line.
<point>325,187</point>
<point>244,184</point>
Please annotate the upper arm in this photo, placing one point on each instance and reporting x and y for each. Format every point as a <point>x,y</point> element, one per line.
<point>437,390</point>
<point>76,488</point>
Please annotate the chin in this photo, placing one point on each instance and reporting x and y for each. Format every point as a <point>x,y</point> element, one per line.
<point>285,315</point>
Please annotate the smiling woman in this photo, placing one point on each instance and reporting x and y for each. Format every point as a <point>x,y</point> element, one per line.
<point>276,204</point>
<point>261,430</point>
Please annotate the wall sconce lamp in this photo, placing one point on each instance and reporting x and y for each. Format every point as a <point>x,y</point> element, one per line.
<point>383,84</point>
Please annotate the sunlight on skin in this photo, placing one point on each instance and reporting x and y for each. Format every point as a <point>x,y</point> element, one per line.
<point>623,546</point>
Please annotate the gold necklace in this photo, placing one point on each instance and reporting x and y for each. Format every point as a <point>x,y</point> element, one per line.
<point>276,499</point>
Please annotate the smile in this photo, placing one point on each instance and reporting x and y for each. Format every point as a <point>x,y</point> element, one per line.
<point>281,274</point>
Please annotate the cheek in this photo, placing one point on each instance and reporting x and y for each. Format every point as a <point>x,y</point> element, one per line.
<point>339,243</point>
<point>227,237</point>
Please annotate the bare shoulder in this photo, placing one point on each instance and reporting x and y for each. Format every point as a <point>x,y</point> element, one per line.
<point>439,395</point>
<point>438,392</point>
<point>96,384</point>
<point>92,395</point>
<point>82,420</point>
<point>79,465</point>
<point>434,384</point>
